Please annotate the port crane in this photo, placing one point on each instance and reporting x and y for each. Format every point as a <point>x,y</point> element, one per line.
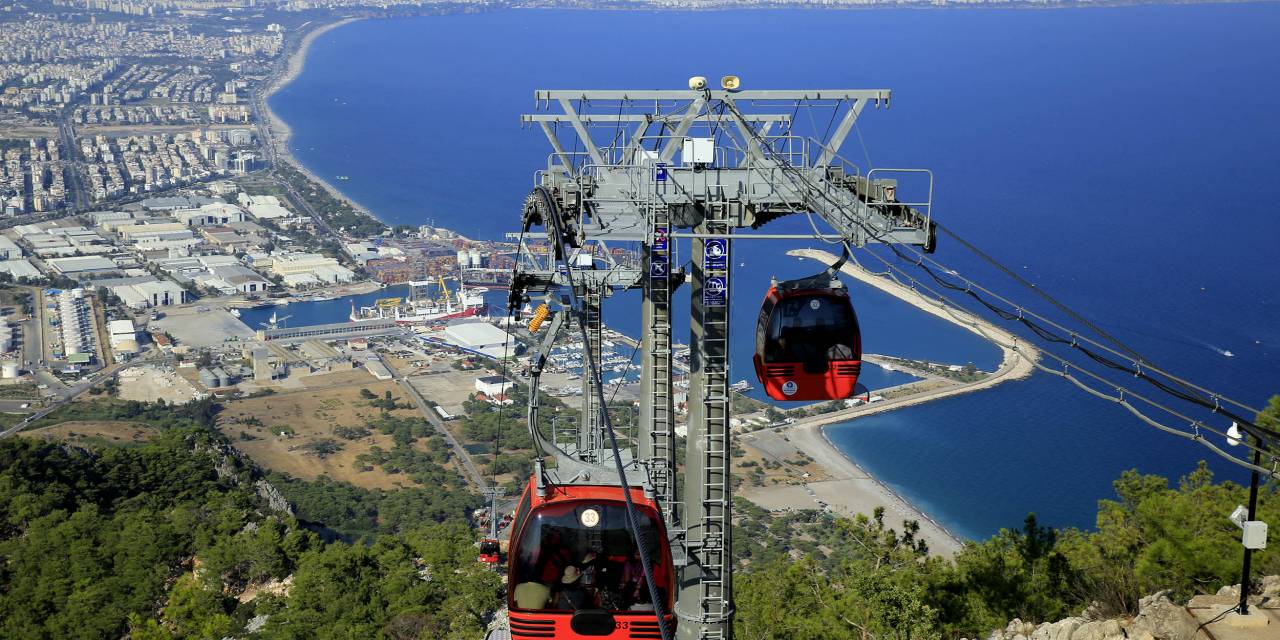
<point>661,169</point>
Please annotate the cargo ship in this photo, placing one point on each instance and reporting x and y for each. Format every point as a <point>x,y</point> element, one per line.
<point>428,302</point>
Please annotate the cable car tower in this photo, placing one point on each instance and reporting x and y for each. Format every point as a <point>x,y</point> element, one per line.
<point>664,169</point>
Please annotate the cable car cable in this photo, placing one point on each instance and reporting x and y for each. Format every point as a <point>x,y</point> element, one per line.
<point>1136,371</point>
<point>1123,393</point>
<point>633,518</point>
<point>506,343</point>
<point>1040,292</point>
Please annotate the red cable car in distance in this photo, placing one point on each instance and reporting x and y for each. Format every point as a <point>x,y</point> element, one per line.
<point>573,564</point>
<point>490,550</point>
<point>808,345</point>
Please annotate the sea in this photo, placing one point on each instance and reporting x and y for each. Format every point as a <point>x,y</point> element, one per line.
<point>1122,159</point>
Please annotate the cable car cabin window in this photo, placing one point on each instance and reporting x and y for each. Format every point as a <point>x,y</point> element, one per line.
<point>580,555</point>
<point>813,330</point>
<point>521,511</point>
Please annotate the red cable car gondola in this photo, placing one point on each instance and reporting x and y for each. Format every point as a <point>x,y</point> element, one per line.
<point>489,551</point>
<point>573,564</point>
<point>808,346</point>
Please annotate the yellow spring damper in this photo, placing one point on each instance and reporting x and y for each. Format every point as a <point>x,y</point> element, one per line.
<point>539,316</point>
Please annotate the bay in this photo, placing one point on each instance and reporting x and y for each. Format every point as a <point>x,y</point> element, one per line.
<point>1118,157</point>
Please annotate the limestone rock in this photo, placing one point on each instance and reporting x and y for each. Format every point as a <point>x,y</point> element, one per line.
<point>275,500</point>
<point>256,623</point>
<point>1063,629</point>
<point>1099,630</point>
<point>1041,632</point>
<point>1160,619</point>
<point>1271,586</point>
<point>1016,630</point>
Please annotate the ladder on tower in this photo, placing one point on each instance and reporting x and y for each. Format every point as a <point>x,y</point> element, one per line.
<point>592,440</point>
<point>714,541</point>
<point>661,466</point>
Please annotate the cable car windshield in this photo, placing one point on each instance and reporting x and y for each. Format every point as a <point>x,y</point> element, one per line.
<point>813,328</point>
<point>581,555</point>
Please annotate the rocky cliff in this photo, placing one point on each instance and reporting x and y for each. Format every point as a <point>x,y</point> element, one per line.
<point>1159,618</point>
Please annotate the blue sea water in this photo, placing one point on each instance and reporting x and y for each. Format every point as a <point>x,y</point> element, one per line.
<point>1119,158</point>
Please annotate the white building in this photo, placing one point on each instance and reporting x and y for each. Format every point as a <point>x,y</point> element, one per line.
<point>493,386</point>
<point>129,231</point>
<point>322,268</point>
<point>231,279</point>
<point>124,338</point>
<point>263,207</point>
<point>150,294</point>
<point>81,265</point>
<point>19,269</point>
<point>9,250</point>
<point>218,213</point>
<point>480,337</point>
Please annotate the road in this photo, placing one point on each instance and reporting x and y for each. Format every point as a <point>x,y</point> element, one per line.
<point>68,393</point>
<point>434,418</point>
<point>77,196</point>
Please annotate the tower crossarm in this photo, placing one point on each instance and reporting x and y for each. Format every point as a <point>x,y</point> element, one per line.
<point>616,154</point>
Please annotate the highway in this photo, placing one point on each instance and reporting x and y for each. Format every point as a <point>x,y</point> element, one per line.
<point>77,196</point>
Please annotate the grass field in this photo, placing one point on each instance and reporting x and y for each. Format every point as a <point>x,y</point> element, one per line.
<point>311,416</point>
<point>94,432</point>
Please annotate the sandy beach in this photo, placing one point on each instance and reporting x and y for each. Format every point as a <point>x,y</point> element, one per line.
<point>848,488</point>
<point>278,132</point>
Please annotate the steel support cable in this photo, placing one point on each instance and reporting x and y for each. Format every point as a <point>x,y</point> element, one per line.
<point>1040,292</point>
<point>1136,371</point>
<point>506,343</point>
<point>1140,359</point>
<point>1121,400</point>
<point>551,212</point>
<point>1209,399</point>
<point>970,320</point>
<point>1212,401</point>
<point>1096,357</point>
<point>966,317</point>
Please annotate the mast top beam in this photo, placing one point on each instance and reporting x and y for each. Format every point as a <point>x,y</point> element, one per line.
<point>788,95</point>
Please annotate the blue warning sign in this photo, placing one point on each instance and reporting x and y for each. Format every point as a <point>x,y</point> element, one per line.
<point>715,291</point>
<point>715,253</point>
<point>658,266</point>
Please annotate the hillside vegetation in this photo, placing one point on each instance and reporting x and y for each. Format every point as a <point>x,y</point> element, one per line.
<point>181,537</point>
<point>171,539</point>
<point>813,576</point>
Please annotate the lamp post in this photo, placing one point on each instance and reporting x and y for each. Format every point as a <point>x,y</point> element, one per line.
<point>1253,512</point>
<point>1234,437</point>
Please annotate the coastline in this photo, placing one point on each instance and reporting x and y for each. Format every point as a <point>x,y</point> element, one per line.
<point>850,489</point>
<point>278,132</point>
